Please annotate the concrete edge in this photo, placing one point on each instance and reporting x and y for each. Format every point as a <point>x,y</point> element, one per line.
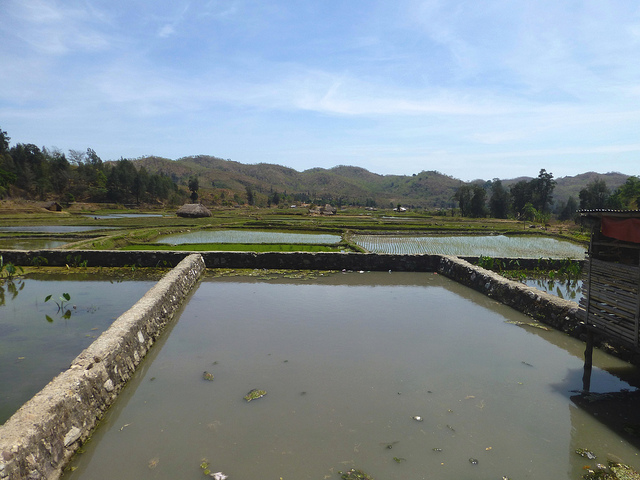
<point>40,438</point>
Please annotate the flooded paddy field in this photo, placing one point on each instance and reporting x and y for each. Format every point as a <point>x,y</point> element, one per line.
<point>472,245</point>
<point>248,236</point>
<point>31,243</point>
<point>402,375</point>
<point>54,228</point>
<point>38,340</point>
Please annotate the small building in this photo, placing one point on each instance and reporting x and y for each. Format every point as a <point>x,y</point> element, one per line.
<point>53,206</point>
<point>611,289</point>
<point>193,210</point>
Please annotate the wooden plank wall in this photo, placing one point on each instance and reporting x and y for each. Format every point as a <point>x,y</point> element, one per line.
<point>614,300</point>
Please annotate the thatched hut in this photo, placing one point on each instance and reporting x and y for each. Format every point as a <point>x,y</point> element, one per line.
<point>193,210</point>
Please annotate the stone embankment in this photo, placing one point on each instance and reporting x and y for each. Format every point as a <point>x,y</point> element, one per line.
<point>561,314</point>
<point>40,438</point>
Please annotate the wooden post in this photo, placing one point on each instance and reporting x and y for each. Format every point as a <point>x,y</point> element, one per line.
<point>588,362</point>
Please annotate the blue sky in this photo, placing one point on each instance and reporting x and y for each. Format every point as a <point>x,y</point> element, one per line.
<point>474,89</point>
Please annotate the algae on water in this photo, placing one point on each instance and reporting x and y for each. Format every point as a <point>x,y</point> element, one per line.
<point>254,394</point>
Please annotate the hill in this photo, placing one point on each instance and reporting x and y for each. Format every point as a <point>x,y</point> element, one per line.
<point>227,181</point>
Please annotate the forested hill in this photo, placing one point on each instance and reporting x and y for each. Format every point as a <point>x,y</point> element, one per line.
<point>341,184</point>
<point>221,180</point>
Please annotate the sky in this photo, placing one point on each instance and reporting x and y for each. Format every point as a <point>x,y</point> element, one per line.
<point>473,89</point>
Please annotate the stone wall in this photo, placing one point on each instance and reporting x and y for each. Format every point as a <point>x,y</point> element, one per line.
<point>561,314</point>
<point>40,438</point>
<point>274,260</point>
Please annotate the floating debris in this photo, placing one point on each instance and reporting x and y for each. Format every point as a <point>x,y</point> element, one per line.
<point>417,418</point>
<point>254,394</point>
<point>473,461</point>
<point>436,449</point>
<point>528,324</point>
<point>583,452</point>
<point>389,446</point>
<point>615,471</point>
<point>153,463</point>
<point>399,459</point>
<point>219,476</point>
<point>208,376</point>
<point>451,428</point>
<point>355,474</point>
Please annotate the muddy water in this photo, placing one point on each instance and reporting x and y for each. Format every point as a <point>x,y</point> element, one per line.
<point>34,348</point>
<point>347,361</point>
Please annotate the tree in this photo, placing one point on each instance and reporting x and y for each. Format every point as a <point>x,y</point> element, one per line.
<point>627,196</point>
<point>499,201</point>
<point>250,196</point>
<point>193,188</point>
<point>478,208</point>
<point>463,197</point>
<point>595,195</point>
<point>568,210</point>
<point>542,191</point>
<point>520,194</point>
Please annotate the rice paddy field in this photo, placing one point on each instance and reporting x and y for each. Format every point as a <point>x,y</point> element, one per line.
<point>470,245</point>
<point>249,236</point>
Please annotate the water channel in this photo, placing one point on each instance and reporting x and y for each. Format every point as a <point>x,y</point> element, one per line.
<point>348,362</point>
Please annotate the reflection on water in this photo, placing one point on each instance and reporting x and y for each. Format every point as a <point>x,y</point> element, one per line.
<point>33,350</point>
<point>30,243</point>
<point>567,289</point>
<point>347,361</point>
<point>54,228</point>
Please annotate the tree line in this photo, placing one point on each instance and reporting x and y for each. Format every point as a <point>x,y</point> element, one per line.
<point>79,176</point>
<point>533,199</point>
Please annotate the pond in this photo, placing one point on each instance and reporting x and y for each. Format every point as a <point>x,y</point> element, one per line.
<point>54,228</point>
<point>469,245</point>
<point>402,375</point>
<point>33,348</point>
<point>124,215</point>
<point>31,243</point>
<point>249,236</point>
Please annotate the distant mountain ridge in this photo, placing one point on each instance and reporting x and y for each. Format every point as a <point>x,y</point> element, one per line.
<point>219,178</point>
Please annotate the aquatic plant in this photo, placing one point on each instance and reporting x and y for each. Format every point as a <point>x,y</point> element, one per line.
<point>76,261</point>
<point>61,304</point>
<point>254,394</point>
<point>9,269</point>
<point>355,474</point>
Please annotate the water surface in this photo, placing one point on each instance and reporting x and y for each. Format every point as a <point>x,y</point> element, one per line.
<point>472,245</point>
<point>54,228</point>
<point>31,243</point>
<point>248,236</point>
<point>347,361</point>
<point>33,349</point>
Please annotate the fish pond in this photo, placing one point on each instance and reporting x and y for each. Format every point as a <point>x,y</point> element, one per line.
<point>520,246</point>
<point>401,375</point>
<point>38,339</point>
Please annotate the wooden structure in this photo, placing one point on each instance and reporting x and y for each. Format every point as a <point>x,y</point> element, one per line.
<point>611,288</point>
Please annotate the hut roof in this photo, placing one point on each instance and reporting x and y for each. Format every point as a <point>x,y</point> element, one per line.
<point>619,224</point>
<point>193,210</point>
